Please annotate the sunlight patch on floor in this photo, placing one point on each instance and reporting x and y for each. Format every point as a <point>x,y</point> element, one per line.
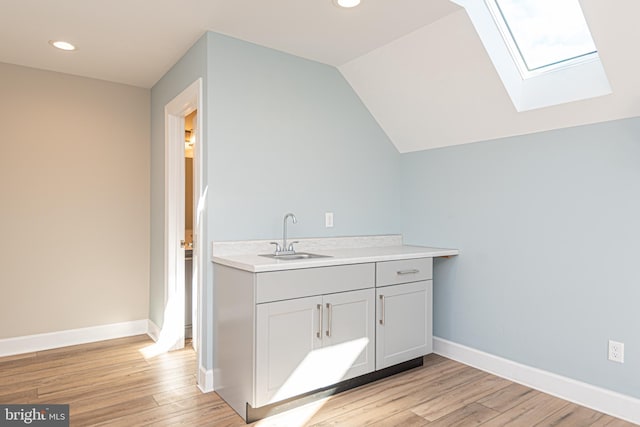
<point>294,417</point>
<point>171,335</point>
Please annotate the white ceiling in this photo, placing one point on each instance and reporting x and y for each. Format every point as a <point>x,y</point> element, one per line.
<point>454,95</point>
<point>418,65</point>
<point>136,42</point>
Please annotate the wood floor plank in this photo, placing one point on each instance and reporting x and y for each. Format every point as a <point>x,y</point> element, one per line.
<point>214,416</point>
<point>571,415</point>
<point>136,382</point>
<point>112,384</point>
<point>107,413</point>
<point>6,361</point>
<point>399,393</point>
<point>404,419</point>
<point>69,378</point>
<point>100,346</point>
<point>51,359</point>
<point>508,397</point>
<point>121,376</point>
<point>18,387</point>
<point>43,370</point>
<point>217,415</point>
<point>356,398</point>
<point>158,414</point>
<point>97,400</point>
<point>472,414</point>
<point>300,416</point>
<point>176,394</point>
<point>459,397</point>
<point>528,413</point>
<point>401,399</point>
<point>24,396</point>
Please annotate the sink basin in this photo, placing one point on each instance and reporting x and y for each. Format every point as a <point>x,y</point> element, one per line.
<point>297,255</point>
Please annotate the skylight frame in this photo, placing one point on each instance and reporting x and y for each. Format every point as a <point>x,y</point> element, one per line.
<point>518,56</point>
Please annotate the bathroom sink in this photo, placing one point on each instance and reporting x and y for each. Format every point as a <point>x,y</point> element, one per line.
<point>297,255</point>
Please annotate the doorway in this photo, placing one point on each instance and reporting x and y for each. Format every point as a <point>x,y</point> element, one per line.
<point>183,110</point>
<point>190,122</point>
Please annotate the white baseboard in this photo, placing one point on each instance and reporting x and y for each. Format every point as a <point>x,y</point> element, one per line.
<point>205,380</point>
<point>39,342</point>
<point>599,399</point>
<point>153,330</point>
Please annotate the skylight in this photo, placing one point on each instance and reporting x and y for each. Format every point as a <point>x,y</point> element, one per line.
<point>543,35</point>
<point>574,76</point>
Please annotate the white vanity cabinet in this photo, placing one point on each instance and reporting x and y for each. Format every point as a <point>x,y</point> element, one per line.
<point>289,332</point>
<point>304,344</point>
<point>404,296</point>
<point>284,333</point>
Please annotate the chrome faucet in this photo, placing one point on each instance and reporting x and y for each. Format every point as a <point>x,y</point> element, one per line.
<point>286,249</point>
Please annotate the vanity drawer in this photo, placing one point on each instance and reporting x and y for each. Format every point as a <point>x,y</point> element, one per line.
<point>403,271</point>
<point>289,284</point>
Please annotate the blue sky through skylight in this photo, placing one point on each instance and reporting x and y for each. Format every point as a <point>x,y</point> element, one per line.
<point>547,32</point>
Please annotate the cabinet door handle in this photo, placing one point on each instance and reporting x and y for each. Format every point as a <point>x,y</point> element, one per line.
<point>403,272</point>
<point>319,333</point>
<point>329,315</point>
<point>382,309</point>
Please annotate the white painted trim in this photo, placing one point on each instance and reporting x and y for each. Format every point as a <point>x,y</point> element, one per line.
<point>205,380</point>
<point>186,102</point>
<point>40,342</point>
<point>599,399</point>
<point>174,194</point>
<point>153,330</point>
<point>199,244</point>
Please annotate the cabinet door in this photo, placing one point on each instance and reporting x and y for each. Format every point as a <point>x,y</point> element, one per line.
<point>287,335</point>
<point>349,333</point>
<point>403,327</point>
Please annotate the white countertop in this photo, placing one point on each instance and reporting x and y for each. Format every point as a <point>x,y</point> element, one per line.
<point>338,256</point>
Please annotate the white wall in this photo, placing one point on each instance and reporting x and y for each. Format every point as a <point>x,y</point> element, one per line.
<point>74,209</point>
<point>437,87</point>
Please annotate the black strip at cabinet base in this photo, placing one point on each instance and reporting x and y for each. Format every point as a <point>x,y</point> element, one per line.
<point>256,414</point>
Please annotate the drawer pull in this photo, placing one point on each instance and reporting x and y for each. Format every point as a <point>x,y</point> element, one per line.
<point>319,333</point>
<point>329,312</point>
<point>382,309</point>
<point>412,271</point>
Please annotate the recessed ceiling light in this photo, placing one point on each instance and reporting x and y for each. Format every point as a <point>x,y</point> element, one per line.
<point>346,3</point>
<point>62,45</point>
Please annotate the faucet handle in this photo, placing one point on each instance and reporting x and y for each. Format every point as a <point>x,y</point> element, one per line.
<point>278,247</point>
<point>290,248</point>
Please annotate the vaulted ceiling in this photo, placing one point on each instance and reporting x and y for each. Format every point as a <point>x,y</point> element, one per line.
<point>418,65</point>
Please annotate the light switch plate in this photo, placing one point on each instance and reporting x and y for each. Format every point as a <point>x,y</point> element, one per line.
<point>328,219</point>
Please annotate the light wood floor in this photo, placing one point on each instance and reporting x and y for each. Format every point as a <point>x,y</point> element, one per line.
<point>111,383</point>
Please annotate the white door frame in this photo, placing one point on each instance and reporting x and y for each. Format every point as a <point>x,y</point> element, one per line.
<point>174,113</point>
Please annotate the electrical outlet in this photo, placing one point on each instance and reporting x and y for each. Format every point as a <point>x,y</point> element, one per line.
<point>616,351</point>
<point>328,219</point>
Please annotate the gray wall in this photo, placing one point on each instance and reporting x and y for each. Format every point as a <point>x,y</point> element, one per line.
<point>192,65</point>
<point>281,134</point>
<point>548,225</point>
<point>289,134</point>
